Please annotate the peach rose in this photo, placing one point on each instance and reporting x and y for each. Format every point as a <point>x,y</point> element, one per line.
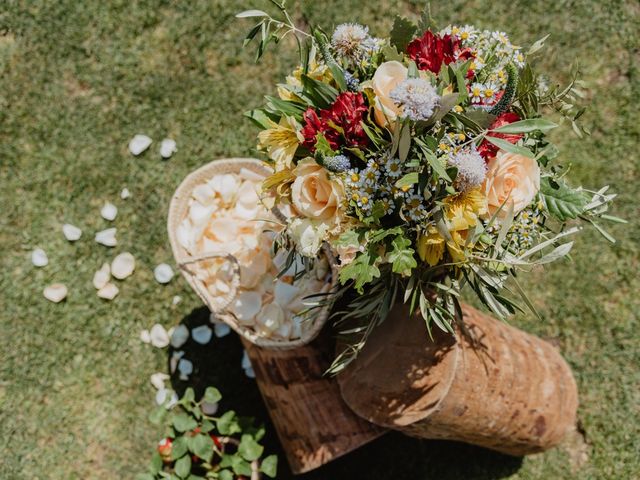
<point>387,77</point>
<point>511,178</point>
<point>313,193</point>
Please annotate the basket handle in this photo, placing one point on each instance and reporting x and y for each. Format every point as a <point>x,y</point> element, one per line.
<point>184,265</point>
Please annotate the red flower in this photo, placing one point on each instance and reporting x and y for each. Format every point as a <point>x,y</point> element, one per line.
<point>487,149</point>
<point>431,51</point>
<point>340,124</point>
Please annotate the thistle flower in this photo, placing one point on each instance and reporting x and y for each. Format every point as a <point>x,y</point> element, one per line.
<point>417,97</point>
<point>471,169</point>
<point>353,41</point>
<point>337,164</point>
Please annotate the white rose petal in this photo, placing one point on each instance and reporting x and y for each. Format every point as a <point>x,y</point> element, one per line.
<point>163,273</point>
<point>179,336</point>
<point>125,193</point>
<point>159,336</point>
<point>71,232</point>
<point>246,306</point>
<point>202,334</point>
<point>109,291</point>
<point>221,330</point>
<point>167,148</point>
<point>249,372</point>
<point>285,293</point>
<point>176,300</point>
<point>173,362</point>
<point>246,362</point>
<point>55,293</point>
<point>123,265</point>
<point>39,258</point>
<point>145,336</point>
<point>185,367</point>
<point>102,276</point>
<point>107,237</point>
<point>158,379</point>
<point>164,394</point>
<point>139,144</point>
<point>109,211</point>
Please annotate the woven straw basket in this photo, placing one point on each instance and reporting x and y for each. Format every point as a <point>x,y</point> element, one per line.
<point>178,210</point>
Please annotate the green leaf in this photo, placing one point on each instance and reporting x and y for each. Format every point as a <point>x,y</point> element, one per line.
<point>404,143</point>
<point>206,426</point>
<point>447,102</point>
<point>560,200</point>
<point>269,466</point>
<point>227,424</point>
<point>240,466</point>
<point>525,126</point>
<point>202,446</point>
<point>322,94</point>
<point>539,44</point>
<point>408,179</point>
<point>156,463</point>
<point>252,13</point>
<point>183,422</point>
<point>212,395</point>
<point>249,448</point>
<point>402,33</point>
<point>391,53</point>
<point>362,270</point>
<point>179,447</point>
<point>402,256</point>
<point>225,475</point>
<point>158,415</point>
<point>183,466</point>
<point>510,147</point>
<point>188,397</point>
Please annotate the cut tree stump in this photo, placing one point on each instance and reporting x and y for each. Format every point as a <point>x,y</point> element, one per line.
<point>313,422</point>
<point>495,386</point>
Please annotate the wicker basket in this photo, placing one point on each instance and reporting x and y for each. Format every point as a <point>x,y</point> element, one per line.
<point>178,211</point>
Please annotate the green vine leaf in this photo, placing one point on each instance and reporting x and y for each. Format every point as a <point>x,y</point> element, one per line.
<point>560,200</point>
<point>249,449</point>
<point>269,466</point>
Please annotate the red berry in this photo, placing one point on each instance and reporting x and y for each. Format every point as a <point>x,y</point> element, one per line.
<point>164,449</point>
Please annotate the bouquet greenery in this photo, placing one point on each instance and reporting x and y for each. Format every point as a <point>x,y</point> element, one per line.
<point>422,160</point>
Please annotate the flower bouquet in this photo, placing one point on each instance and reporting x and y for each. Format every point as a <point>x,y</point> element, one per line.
<point>422,160</point>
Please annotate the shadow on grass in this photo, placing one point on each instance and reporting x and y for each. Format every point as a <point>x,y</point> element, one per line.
<point>393,456</point>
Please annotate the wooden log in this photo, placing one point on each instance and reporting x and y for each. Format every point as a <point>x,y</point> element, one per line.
<point>494,386</point>
<point>313,423</point>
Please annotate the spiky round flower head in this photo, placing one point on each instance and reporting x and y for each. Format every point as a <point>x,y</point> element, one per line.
<point>348,39</point>
<point>471,169</point>
<point>417,97</point>
<point>337,163</point>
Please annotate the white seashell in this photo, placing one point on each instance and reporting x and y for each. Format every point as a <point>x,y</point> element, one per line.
<point>165,394</point>
<point>125,193</point>
<point>173,362</point>
<point>209,408</point>
<point>202,334</point>
<point>55,293</point>
<point>167,148</point>
<point>204,194</point>
<point>39,258</point>
<point>71,232</point>
<point>249,372</point>
<point>185,367</point>
<point>109,291</point>
<point>179,336</point>
<point>145,336</point>
<point>109,211</point>
<point>246,306</point>
<point>245,362</point>
<point>107,237</point>
<point>158,379</point>
<point>102,276</point>
<point>159,336</point>
<point>123,265</point>
<point>139,144</point>
<point>163,273</point>
<point>176,300</point>
<point>247,174</point>
<point>284,293</point>
<point>221,330</point>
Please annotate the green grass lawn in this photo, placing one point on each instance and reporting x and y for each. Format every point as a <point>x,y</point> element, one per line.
<point>79,79</point>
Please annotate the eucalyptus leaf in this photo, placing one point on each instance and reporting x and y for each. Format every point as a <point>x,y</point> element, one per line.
<point>252,13</point>
<point>510,147</point>
<point>525,126</point>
